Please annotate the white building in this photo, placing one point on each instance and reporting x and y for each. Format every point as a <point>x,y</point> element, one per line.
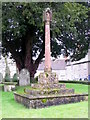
<point>79,70</point>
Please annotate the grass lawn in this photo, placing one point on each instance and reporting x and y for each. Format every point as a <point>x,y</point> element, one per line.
<point>79,88</point>
<point>12,109</point>
<point>1,85</point>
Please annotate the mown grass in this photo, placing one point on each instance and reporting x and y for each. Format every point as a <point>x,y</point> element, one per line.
<point>1,84</point>
<point>79,88</point>
<point>12,109</point>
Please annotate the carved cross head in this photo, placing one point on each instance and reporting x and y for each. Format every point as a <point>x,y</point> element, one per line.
<point>47,15</point>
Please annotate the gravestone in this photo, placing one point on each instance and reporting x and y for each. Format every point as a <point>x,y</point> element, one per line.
<point>1,77</point>
<point>24,78</point>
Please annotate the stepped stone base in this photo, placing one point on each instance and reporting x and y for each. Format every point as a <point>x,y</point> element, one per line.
<point>48,92</point>
<point>43,101</point>
<point>48,86</point>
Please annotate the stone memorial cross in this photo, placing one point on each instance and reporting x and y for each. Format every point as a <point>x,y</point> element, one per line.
<point>47,19</point>
<point>47,79</point>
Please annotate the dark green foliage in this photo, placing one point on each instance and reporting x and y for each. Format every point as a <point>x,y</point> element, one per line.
<point>36,79</point>
<point>46,74</point>
<point>7,78</point>
<point>76,82</point>
<point>15,78</point>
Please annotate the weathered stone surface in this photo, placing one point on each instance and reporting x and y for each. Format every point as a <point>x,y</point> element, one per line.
<point>48,86</point>
<point>44,101</point>
<point>1,77</point>
<point>24,77</point>
<point>47,19</point>
<point>49,92</point>
<point>9,88</point>
<point>47,78</point>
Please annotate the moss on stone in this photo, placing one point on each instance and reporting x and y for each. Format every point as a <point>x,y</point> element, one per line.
<point>55,74</point>
<point>46,74</point>
<point>44,100</point>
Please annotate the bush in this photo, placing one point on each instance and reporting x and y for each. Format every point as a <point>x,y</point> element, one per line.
<point>15,78</point>
<point>7,78</point>
<point>36,79</point>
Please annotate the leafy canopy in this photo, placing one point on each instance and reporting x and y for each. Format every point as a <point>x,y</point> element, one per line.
<point>69,28</point>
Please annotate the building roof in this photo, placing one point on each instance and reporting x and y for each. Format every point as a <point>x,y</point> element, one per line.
<point>55,65</point>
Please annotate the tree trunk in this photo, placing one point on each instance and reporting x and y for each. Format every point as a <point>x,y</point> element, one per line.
<point>29,65</point>
<point>28,61</point>
<point>28,55</point>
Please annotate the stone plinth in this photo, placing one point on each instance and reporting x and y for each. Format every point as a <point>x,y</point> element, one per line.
<point>47,78</point>
<point>48,86</point>
<point>43,101</point>
<point>49,92</point>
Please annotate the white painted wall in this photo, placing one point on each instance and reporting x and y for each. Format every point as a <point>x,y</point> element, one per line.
<point>68,73</point>
<point>61,74</point>
<point>75,72</point>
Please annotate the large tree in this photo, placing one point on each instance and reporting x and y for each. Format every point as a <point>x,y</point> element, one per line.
<point>23,32</point>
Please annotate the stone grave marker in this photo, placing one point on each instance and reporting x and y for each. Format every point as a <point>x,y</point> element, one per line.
<point>1,77</point>
<point>24,77</point>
